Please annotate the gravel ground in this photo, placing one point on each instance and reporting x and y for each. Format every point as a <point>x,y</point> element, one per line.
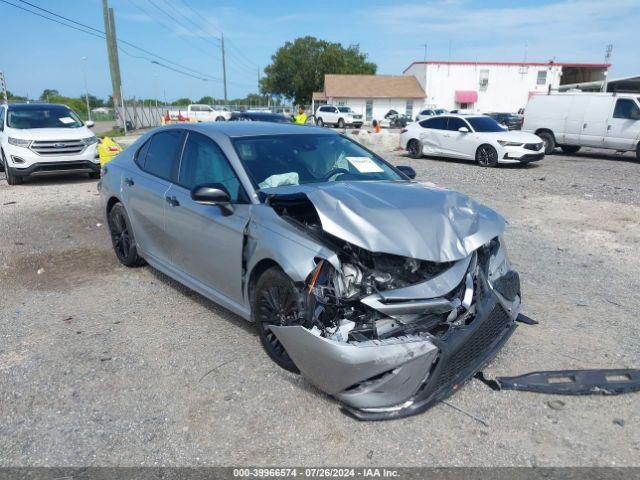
<point>103,365</point>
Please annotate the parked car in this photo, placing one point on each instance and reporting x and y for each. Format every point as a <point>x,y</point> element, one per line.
<point>463,111</point>
<point>473,137</point>
<point>511,121</point>
<point>340,117</point>
<point>383,292</point>
<point>574,120</point>
<point>430,112</point>
<point>393,119</point>
<point>258,117</point>
<point>39,139</point>
<point>199,113</point>
<point>424,114</point>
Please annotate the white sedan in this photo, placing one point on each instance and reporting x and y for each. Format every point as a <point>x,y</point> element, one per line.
<point>472,137</point>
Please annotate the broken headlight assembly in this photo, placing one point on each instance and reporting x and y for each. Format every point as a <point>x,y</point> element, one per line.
<point>501,276</point>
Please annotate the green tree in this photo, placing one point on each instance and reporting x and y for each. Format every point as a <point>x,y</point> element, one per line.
<point>15,98</point>
<point>181,102</point>
<point>298,68</point>
<point>206,100</point>
<point>48,93</point>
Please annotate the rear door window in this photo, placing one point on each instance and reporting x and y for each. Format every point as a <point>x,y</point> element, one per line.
<point>163,153</point>
<point>437,123</point>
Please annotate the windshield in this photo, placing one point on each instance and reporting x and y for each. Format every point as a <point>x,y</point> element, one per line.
<point>484,124</point>
<point>344,109</point>
<point>46,116</point>
<point>273,161</point>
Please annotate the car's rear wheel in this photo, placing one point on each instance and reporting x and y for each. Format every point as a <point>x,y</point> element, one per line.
<point>275,303</point>
<point>549,142</point>
<point>12,178</point>
<point>414,148</point>
<point>220,119</point>
<point>340,123</point>
<point>570,148</point>
<point>319,122</point>
<point>487,156</point>
<point>122,239</point>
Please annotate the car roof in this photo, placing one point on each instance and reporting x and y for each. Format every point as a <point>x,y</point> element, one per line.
<point>36,106</point>
<point>251,129</point>
<point>258,115</point>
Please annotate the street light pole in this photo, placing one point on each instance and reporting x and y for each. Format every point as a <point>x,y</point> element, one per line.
<point>86,88</point>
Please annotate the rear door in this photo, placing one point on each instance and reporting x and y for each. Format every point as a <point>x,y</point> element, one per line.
<point>623,128</point>
<point>574,120</point>
<point>205,242</point>
<point>594,121</point>
<point>144,190</point>
<point>431,135</point>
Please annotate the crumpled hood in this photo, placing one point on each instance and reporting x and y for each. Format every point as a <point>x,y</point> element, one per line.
<point>401,218</point>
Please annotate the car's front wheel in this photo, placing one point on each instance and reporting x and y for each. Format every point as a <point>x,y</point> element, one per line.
<point>275,303</point>
<point>319,122</point>
<point>487,156</point>
<point>414,148</point>
<point>220,119</point>
<point>340,123</point>
<point>122,239</point>
<point>12,178</point>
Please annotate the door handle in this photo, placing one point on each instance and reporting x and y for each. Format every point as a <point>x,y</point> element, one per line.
<point>584,126</point>
<point>129,181</point>
<point>173,201</point>
<point>608,127</point>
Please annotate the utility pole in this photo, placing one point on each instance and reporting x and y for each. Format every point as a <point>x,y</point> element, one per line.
<point>224,68</point>
<point>86,88</point>
<point>112,52</point>
<point>3,86</point>
<point>607,59</point>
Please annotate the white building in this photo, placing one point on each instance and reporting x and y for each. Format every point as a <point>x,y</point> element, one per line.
<point>372,96</point>
<point>496,86</point>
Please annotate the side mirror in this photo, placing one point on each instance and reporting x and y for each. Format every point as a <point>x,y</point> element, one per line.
<point>407,170</point>
<point>213,194</point>
<point>89,123</point>
<point>463,130</point>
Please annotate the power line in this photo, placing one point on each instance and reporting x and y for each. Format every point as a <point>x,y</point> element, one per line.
<point>167,27</point>
<point>102,33</point>
<point>186,17</point>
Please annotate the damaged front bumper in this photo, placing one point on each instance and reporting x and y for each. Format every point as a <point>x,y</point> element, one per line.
<point>406,374</point>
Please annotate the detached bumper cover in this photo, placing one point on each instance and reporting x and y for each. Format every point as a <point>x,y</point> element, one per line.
<point>385,379</point>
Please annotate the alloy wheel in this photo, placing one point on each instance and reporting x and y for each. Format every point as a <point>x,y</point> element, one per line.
<point>120,234</point>
<point>487,156</point>
<point>276,306</point>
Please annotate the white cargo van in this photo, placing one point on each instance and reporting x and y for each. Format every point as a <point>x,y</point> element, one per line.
<point>574,120</point>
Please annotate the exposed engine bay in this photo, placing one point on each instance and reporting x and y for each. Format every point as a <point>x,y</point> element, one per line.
<point>439,321</point>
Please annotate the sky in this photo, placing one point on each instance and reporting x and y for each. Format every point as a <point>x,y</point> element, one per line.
<point>36,54</point>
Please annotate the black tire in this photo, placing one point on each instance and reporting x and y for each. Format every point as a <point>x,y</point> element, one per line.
<point>220,119</point>
<point>549,142</point>
<point>340,123</point>
<point>122,239</point>
<point>570,148</point>
<point>487,156</point>
<point>638,152</point>
<point>319,122</point>
<point>12,178</point>
<point>275,302</point>
<point>94,175</point>
<point>414,148</point>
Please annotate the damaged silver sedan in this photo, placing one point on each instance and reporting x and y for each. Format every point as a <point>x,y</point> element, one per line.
<point>383,292</point>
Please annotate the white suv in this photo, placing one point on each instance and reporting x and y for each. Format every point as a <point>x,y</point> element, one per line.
<point>44,139</point>
<point>337,116</point>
